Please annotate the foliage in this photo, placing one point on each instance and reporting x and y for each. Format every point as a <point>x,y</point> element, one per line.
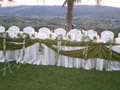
<point>98,24</point>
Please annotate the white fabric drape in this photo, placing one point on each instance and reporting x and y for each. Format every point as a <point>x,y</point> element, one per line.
<point>49,57</point>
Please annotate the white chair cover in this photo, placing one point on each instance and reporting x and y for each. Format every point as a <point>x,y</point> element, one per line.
<point>14,28</point>
<point>91,34</point>
<point>41,36</point>
<point>75,34</point>
<point>60,31</point>
<point>29,30</point>
<point>73,31</point>
<point>44,30</point>
<point>107,35</point>
<point>117,40</point>
<point>79,37</point>
<point>118,35</point>
<point>2,29</point>
<point>13,31</point>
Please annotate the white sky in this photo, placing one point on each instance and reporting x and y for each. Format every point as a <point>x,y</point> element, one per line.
<point>114,3</point>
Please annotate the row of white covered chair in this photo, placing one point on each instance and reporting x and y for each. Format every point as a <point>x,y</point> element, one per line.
<point>75,34</point>
<point>47,57</point>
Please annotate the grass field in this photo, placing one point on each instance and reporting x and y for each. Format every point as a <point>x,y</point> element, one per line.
<point>33,77</point>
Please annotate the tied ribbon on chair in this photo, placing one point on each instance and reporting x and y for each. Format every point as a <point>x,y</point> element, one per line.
<point>24,37</point>
<point>69,37</point>
<point>19,36</point>
<point>110,42</point>
<point>50,36</point>
<point>94,39</point>
<point>24,42</point>
<point>59,39</point>
<point>6,65</point>
<point>86,41</point>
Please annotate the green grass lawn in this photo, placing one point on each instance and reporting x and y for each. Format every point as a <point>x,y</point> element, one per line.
<point>33,77</point>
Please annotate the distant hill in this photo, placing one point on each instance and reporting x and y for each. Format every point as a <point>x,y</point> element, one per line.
<point>83,10</point>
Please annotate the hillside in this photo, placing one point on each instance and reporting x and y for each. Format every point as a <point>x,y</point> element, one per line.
<point>83,10</point>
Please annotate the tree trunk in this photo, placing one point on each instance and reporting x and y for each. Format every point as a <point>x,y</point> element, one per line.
<point>70,5</point>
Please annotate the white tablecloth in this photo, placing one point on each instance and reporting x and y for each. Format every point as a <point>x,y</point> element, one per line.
<point>49,57</point>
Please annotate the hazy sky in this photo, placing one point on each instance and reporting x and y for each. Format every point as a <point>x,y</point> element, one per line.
<point>114,3</point>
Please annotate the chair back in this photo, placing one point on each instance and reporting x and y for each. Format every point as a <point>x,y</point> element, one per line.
<point>107,35</point>
<point>44,30</point>
<point>29,30</point>
<point>60,31</point>
<point>2,29</point>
